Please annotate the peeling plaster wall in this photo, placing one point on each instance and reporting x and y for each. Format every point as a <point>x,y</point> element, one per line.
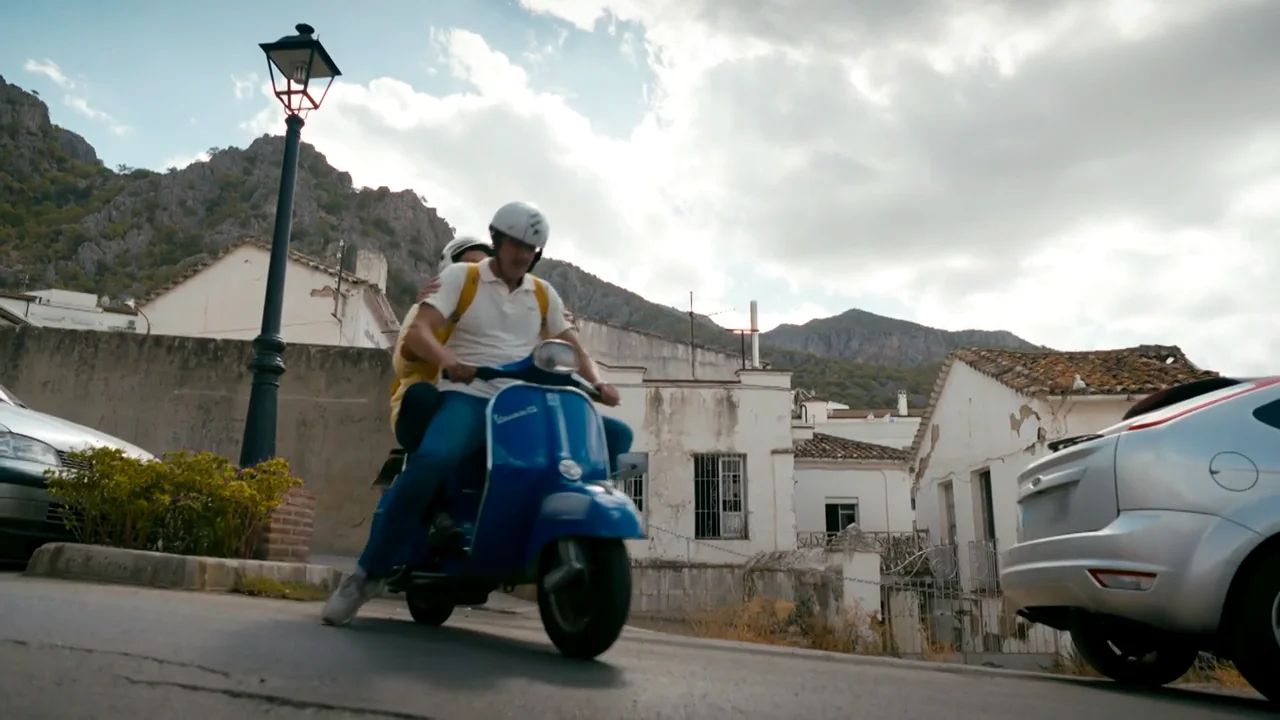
<point>673,421</point>
<point>979,423</point>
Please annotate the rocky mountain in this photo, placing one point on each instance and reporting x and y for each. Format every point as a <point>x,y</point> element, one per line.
<point>68,221</point>
<point>869,338</point>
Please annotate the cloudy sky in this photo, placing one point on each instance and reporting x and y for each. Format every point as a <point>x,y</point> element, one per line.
<point>1085,173</point>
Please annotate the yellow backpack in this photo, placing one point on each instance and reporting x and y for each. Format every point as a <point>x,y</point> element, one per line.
<point>409,372</point>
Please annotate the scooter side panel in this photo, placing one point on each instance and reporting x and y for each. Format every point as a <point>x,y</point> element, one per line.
<point>531,431</point>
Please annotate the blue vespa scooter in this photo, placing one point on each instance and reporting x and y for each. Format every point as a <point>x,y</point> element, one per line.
<point>549,512</point>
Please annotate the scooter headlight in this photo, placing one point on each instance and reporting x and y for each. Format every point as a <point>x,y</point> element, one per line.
<point>555,356</point>
<point>570,470</point>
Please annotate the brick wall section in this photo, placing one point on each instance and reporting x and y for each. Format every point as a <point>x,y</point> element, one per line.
<point>287,537</point>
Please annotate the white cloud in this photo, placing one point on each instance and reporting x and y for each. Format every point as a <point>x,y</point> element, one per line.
<point>178,162</point>
<point>541,50</point>
<point>245,87</point>
<point>1086,174</point>
<point>82,106</point>
<point>75,101</point>
<point>49,69</point>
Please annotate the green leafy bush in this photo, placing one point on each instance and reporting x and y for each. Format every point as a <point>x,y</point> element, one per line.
<point>186,503</point>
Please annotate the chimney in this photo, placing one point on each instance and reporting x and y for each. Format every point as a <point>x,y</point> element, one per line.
<point>371,266</point>
<point>755,337</point>
<point>902,403</point>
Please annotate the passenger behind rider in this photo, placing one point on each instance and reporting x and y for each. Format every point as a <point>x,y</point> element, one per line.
<point>412,410</point>
<point>510,312</point>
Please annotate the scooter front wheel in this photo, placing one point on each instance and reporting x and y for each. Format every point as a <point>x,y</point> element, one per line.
<point>584,615</point>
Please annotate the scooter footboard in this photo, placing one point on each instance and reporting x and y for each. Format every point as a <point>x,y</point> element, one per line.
<point>583,511</point>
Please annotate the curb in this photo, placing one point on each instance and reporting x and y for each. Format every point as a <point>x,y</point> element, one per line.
<point>73,561</point>
<point>98,563</point>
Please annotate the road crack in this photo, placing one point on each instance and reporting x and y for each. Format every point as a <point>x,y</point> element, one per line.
<point>276,700</point>
<point>116,653</point>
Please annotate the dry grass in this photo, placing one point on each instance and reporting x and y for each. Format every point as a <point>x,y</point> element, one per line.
<point>265,587</point>
<point>1211,671</point>
<point>1208,670</point>
<point>778,622</point>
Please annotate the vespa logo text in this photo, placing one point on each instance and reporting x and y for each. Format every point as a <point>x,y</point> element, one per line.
<point>500,419</point>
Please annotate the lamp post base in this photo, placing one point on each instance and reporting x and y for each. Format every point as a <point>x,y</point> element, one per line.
<point>260,426</point>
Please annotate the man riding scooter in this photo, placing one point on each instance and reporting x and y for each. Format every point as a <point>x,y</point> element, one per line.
<point>489,313</point>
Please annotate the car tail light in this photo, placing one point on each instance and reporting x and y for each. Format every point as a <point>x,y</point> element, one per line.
<point>1173,412</point>
<point>1124,579</point>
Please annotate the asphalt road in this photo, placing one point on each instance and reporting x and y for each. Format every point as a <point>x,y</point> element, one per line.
<point>105,653</point>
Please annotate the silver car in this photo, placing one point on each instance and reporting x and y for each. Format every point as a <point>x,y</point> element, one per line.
<point>30,443</point>
<point>1159,538</point>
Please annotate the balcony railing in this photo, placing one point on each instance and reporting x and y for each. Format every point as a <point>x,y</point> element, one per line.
<point>899,552</point>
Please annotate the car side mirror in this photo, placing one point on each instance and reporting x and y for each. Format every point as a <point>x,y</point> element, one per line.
<point>632,466</point>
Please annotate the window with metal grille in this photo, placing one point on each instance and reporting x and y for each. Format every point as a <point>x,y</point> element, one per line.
<point>720,497</point>
<point>638,489</point>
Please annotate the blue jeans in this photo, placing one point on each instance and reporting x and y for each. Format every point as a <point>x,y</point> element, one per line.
<point>455,433</point>
<point>417,407</point>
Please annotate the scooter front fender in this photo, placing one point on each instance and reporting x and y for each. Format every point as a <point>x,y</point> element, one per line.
<point>583,510</point>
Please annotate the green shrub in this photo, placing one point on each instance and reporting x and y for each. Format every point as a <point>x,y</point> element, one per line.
<point>185,504</point>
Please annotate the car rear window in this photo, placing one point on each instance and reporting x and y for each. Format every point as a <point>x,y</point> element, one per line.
<point>1186,407</point>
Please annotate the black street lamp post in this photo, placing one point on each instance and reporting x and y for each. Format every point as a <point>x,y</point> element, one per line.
<point>293,61</point>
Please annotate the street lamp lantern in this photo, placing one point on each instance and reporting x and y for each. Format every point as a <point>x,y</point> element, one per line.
<point>294,62</point>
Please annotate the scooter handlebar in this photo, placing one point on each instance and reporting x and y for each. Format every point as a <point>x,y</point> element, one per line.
<point>544,378</point>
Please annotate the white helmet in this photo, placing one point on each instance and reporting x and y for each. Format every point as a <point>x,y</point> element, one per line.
<point>454,249</point>
<point>522,222</point>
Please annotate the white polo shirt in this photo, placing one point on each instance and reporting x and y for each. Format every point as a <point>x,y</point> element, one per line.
<point>499,327</point>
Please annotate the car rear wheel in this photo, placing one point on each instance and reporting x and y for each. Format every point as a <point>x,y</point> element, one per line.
<point>1129,654</point>
<point>1254,633</point>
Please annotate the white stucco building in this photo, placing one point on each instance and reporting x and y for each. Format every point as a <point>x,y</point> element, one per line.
<point>223,298</point>
<point>66,309</point>
<point>721,464</point>
<point>894,427</point>
<point>841,482</point>
<point>992,413</point>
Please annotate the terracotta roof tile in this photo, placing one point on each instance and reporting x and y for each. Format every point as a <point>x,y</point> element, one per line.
<point>829,447</point>
<point>196,268</point>
<point>1136,370</point>
<point>1139,370</point>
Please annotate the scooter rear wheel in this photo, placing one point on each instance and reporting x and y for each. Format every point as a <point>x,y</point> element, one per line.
<point>427,607</point>
<point>584,619</point>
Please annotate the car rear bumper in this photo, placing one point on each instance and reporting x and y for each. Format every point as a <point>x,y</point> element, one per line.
<point>1193,556</point>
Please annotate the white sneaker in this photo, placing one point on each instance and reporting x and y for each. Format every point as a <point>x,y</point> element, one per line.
<point>351,594</point>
